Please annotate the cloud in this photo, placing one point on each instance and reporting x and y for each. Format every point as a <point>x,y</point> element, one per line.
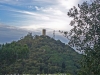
<point>11,33</point>
<point>32,14</point>
<point>37,8</point>
<point>46,18</point>
<point>68,3</point>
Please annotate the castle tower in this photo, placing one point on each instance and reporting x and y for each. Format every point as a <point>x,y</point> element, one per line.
<point>44,32</point>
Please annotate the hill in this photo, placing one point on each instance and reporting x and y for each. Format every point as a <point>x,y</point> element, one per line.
<point>38,54</point>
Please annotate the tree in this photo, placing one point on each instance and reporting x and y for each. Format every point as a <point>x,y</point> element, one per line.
<point>85,35</point>
<point>63,67</point>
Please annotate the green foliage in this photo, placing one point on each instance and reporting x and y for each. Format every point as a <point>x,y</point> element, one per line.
<point>91,62</point>
<point>86,25</point>
<point>10,53</point>
<point>85,35</point>
<point>38,55</point>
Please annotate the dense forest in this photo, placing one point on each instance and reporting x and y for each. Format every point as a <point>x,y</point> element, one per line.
<point>38,54</point>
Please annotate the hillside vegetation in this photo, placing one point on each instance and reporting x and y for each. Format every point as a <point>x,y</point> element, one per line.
<point>38,54</point>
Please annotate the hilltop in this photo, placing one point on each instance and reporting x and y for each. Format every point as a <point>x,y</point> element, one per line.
<point>38,54</point>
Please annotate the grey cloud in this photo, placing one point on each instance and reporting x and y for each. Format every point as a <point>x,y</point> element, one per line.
<point>9,34</point>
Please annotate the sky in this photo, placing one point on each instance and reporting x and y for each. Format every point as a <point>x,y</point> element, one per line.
<point>18,16</point>
<point>33,14</point>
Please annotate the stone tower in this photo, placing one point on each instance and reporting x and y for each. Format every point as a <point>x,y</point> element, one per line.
<point>44,32</point>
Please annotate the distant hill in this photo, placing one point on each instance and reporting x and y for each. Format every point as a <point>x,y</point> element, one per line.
<point>38,54</point>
